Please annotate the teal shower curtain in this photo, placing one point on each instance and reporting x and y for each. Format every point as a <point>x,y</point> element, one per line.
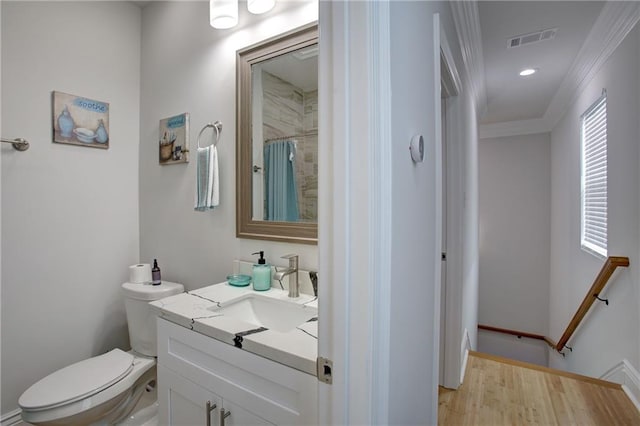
<point>281,194</point>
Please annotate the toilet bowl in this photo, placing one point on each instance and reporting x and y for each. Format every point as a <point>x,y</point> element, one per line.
<point>106,388</point>
<point>99,388</point>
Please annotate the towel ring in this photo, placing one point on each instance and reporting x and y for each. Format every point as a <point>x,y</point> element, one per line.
<point>217,126</point>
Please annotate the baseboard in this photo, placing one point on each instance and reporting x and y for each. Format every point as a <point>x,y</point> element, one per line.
<point>465,347</point>
<point>11,418</point>
<point>625,374</point>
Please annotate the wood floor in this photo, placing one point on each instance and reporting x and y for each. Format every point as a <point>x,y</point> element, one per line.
<point>497,391</point>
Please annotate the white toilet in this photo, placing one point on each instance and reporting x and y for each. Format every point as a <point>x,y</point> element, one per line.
<point>103,389</point>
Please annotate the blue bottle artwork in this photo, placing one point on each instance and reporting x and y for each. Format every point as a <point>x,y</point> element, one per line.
<point>101,133</point>
<point>65,123</point>
<point>80,121</point>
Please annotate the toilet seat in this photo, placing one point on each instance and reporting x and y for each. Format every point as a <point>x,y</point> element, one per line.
<point>77,381</point>
<point>39,406</point>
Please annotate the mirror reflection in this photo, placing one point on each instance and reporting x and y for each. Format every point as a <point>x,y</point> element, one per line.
<point>284,104</point>
<point>277,138</point>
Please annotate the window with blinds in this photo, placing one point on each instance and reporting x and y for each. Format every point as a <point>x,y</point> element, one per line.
<point>594,177</point>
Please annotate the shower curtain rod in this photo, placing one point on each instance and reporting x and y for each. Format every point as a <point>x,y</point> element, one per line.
<point>291,136</point>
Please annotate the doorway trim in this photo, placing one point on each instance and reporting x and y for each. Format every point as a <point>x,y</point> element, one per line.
<point>449,80</point>
<point>354,231</point>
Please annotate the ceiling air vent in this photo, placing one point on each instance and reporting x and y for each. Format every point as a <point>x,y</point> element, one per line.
<point>531,38</point>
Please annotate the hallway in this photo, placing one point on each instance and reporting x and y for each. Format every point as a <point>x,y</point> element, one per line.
<point>500,391</point>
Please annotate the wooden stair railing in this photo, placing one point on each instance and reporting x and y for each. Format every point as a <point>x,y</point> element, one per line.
<point>517,333</point>
<point>612,263</point>
<point>609,267</point>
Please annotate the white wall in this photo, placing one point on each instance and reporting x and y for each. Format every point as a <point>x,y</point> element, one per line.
<point>380,234</point>
<point>515,228</point>
<point>608,334</point>
<point>415,237</point>
<point>522,349</point>
<point>70,214</point>
<point>190,67</point>
<point>413,231</point>
<point>1,410</point>
<point>469,206</point>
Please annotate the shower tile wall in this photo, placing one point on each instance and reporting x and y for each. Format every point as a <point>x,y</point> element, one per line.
<point>308,159</point>
<point>282,107</point>
<point>288,110</point>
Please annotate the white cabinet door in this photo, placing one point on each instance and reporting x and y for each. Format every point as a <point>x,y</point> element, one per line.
<point>183,403</point>
<point>271,391</point>
<point>241,417</point>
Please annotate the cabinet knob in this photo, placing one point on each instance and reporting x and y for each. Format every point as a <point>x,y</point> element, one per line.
<point>223,415</point>
<point>210,408</point>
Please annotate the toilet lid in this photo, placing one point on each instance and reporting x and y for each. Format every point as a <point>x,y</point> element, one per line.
<point>77,381</point>
<point>149,292</point>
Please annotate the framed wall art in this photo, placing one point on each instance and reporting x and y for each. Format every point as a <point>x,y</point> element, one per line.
<point>174,139</point>
<point>80,121</point>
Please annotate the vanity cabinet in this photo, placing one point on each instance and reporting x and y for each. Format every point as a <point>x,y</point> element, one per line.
<point>194,369</point>
<point>185,403</point>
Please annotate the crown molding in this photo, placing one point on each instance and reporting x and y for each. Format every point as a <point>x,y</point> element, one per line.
<point>613,24</point>
<point>514,128</point>
<point>466,19</point>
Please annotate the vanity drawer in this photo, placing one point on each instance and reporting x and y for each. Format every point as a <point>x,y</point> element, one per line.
<point>275,392</point>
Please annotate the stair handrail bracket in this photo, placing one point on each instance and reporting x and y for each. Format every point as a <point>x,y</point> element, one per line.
<point>609,267</point>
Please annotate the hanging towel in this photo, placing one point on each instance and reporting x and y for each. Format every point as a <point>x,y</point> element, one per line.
<point>207,182</point>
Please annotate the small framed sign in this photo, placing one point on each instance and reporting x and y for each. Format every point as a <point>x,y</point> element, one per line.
<point>80,121</point>
<point>174,139</point>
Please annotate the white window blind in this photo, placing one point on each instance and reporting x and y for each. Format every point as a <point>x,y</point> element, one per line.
<point>594,177</point>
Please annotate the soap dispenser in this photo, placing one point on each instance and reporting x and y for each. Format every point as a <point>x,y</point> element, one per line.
<point>261,274</point>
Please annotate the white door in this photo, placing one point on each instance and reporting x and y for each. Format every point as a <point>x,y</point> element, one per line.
<point>443,276</point>
<point>183,403</point>
<point>236,416</point>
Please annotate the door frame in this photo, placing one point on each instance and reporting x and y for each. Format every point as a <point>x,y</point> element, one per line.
<point>354,219</point>
<point>354,227</point>
<point>453,188</point>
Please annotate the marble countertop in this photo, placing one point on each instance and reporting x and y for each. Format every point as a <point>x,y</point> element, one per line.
<point>297,348</point>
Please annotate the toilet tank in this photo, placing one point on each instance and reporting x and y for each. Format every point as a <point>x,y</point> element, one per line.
<point>141,320</point>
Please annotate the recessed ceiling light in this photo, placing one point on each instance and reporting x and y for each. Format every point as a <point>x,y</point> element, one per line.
<point>527,71</point>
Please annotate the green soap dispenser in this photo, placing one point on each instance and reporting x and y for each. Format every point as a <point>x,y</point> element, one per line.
<point>261,274</point>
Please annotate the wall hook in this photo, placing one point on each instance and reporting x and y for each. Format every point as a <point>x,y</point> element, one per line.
<point>606,301</point>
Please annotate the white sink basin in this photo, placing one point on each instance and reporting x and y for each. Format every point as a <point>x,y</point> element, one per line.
<point>274,314</point>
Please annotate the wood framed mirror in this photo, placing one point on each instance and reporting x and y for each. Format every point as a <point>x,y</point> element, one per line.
<point>277,138</point>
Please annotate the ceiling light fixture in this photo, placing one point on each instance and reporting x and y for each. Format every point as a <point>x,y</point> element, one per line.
<point>223,14</point>
<point>527,71</point>
<point>260,6</point>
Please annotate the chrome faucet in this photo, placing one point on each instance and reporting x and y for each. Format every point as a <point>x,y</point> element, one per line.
<point>292,271</point>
